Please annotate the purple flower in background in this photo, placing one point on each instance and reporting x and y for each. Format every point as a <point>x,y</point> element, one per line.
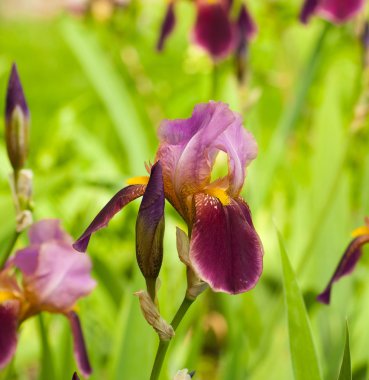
<point>54,277</point>
<point>167,26</point>
<point>335,11</point>
<point>225,249</point>
<point>214,29</point>
<point>348,261</point>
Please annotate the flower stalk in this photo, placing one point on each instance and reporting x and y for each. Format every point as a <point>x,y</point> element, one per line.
<point>164,345</point>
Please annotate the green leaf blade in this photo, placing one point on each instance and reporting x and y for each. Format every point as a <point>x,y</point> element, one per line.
<point>304,357</point>
<point>345,372</point>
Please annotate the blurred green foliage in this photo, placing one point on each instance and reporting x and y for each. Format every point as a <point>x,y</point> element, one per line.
<point>97,93</point>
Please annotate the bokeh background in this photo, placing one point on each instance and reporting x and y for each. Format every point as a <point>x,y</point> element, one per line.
<point>97,91</point>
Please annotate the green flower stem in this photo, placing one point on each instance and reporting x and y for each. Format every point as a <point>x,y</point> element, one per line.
<point>9,249</point>
<point>289,119</point>
<point>214,82</point>
<point>163,345</point>
<point>47,366</point>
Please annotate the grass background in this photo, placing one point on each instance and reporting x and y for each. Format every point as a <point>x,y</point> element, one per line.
<point>97,92</point>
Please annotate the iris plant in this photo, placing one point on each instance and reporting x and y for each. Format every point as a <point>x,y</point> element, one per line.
<point>335,11</point>
<point>222,248</point>
<point>348,261</point>
<point>53,278</point>
<point>225,250</point>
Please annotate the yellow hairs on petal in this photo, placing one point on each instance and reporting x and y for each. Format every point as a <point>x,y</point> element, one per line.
<point>138,180</point>
<point>364,230</point>
<point>6,295</point>
<point>220,194</point>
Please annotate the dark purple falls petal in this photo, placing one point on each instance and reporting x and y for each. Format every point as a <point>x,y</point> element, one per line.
<point>225,249</point>
<point>150,225</point>
<point>120,199</point>
<point>75,376</point>
<point>345,267</point>
<point>167,26</point>
<point>308,10</point>
<point>213,29</point>
<point>79,346</point>
<point>8,330</point>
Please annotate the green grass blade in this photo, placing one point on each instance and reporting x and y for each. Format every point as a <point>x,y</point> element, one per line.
<point>111,89</point>
<point>304,358</point>
<point>345,372</point>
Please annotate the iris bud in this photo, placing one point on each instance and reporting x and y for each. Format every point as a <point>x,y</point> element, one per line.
<point>150,229</point>
<point>16,121</point>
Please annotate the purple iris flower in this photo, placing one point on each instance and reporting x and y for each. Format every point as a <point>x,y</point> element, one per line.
<point>225,250</point>
<point>335,11</point>
<point>214,29</point>
<point>54,277</point>
<point>348,261</point>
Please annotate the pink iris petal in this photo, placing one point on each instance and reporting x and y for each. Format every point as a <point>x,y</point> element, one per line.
<point>120,199</point>
<point>54,275</point>
<point>225,249</point>
<point>47,230</point>
<point>61,276</point>
<point>346,265</point>
<point>189,146</point>
<point>80,351</point>
<point>167,26</point>
<point>213,30</point>
<point>339,11</point>
<point>8,330</point>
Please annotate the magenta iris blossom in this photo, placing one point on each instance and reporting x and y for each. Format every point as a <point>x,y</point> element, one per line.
<point>336,11</point>
<point>348,261</point>
<point>214,30</point>
<point>225,250</point>
<point>54,277</point>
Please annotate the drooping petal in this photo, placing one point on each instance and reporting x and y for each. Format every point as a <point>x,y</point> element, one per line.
<point>46,230</point>
<point>8,330</point>
<point>120,199</point>
<point>80,351</point>
<point>308,9</point>
<point>225,249</point>
<point>167,26</point>
<point>346,265</point>
<point>54,276</point>
<point>339,11</point>
<point>150,225</point>
<point>213,28</point>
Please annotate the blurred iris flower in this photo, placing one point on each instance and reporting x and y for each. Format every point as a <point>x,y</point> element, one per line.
<point>54,277</point>
<point>225,250</point>
<point>335,11</point>
<point>215,30</point>
<point>348,261</point>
